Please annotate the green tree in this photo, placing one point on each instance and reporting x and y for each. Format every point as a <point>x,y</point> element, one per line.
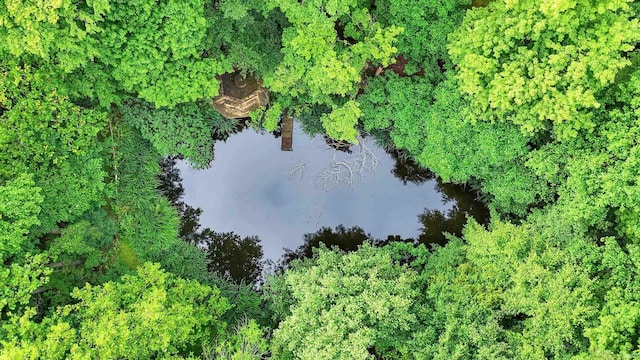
<point>615,333</point>
<point>321,66</point>
<point>43,134</point>
<point>54,31</point>
<point>246,342</point>
<point>51,174</point>
<point>187,129</point>
<point>346,306</point>
<point>107,49</point>
<point>426,24</point>
<point>20,203</point>
<point>542,64</point>
<point>158,53</point>
<point>148,225</point>
<point>595,175</point>
<point>82,253</point>
<point>23,268</point>
<point>248,35</point>
<point>512,292</point>
<point>147,315</point>
<point>430,124</point>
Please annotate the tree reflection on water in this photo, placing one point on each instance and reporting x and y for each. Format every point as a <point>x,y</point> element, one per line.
<point>435,224</point>
<point>228,254</point>
<point>241,258</point>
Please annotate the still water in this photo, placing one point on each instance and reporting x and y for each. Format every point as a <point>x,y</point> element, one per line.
<point>254,188</point>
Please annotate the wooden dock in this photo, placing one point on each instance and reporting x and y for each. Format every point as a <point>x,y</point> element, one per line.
<point>287,133</point>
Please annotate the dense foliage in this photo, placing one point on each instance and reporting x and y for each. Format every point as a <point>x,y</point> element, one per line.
<point>535,104</point>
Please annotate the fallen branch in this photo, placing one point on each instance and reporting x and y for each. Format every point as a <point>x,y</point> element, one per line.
<point>347,171</point>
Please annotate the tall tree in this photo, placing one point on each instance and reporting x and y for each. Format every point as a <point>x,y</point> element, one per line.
<point>146,315</point>
<point>541,64</point>
<point>188,129</point>
<point>426,24</point>
<point>248,35</point>
<point>23,268</point>
<point>429,123</point>
<point>58,32</point>
<point>106,49</point>
<point>43,134</point>
<point>596,174</point>
<point>346,306</point>
<point>148,226</point>
<point>326,48</point>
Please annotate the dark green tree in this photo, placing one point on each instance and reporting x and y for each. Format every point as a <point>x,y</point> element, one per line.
<point>429,123</point>
<point>188,130</point>
<point>426,24</point>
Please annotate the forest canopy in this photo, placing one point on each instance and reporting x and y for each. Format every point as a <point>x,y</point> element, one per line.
<point>535,104</point>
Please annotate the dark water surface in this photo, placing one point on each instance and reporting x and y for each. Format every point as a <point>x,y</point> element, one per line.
<point>254,188</point>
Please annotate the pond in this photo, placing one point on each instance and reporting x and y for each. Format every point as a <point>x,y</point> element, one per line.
<point>254,188</point>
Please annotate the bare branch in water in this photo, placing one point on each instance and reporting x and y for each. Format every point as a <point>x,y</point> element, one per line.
<point>297,169</point>
<point>346,171</point>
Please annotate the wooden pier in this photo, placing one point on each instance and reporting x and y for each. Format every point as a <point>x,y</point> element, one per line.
<point>287,133</point>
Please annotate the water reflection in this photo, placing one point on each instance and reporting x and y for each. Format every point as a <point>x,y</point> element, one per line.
<point>171,187</point>
<point>407,170</point>
<point>436,222</point>
<point>228,254</point>
<point>342,238</point>
<point>435,225</point>
<point>253,189</point>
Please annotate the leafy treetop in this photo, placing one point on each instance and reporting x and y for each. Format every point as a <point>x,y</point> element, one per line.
<point>542,64</point>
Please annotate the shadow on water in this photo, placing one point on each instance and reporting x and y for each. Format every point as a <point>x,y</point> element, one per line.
<point>345,239</point>
<point>435,223</point>
<point>407,170</point>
